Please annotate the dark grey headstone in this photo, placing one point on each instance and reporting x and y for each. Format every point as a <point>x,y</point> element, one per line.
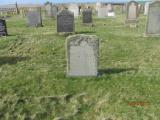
<point>3,28</point>
<point>82,55</point>
<point>153,22</point>
<point>34,18</point>
<point>65,21</point>
<point>87,16</point>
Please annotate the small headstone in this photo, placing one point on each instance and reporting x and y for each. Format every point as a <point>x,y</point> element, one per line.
<point>65,21</point>
<point>3,28</point>
<point>34,18</point>
<point>153,22</point>
<point>82,55</point>
<point>87,16</point>
<point>132,12</point>
<point>74,8</point>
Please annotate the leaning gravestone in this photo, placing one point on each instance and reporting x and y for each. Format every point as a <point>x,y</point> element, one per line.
<point>3,28</point>
<point>34,18</point>
<point>82,55</point>
<point>87,16</point>
<point>132,12</point>
<point>153,22</point>
<point>65,21</point>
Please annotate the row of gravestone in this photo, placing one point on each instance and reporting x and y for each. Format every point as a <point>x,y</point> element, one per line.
<point>65,19</point>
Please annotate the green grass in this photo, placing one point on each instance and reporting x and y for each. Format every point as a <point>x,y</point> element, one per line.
<point>34,86</point>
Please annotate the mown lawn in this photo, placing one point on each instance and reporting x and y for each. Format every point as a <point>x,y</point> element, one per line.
<point>34,86</point>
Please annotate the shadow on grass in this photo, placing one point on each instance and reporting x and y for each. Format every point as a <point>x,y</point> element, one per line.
<point>85,32</point>
<point>12,60</point>
<point>115,70</point>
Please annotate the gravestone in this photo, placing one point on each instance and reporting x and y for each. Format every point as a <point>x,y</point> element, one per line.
<point>65,21</point>
<point>123,7</point>
<point>102,12</point>
<point>74,8</point>
<point>110,7</point>
<point>87,16</point>
<point>153,21</point>
<point>3,28</point>
<point>146,8</point>
<point>82,55</point>
<point>54,10</point>
<point>34,18</point>
<point>132,12</point>
<point>48,10</point>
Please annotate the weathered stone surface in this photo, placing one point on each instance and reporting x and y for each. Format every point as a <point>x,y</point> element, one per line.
<point>153,22</point>
<point>34,18</point>
<point>87,16</point>
<point>82,55</point>
<point>132,12</point>
<point>65,21</point>
<point>3,28</point>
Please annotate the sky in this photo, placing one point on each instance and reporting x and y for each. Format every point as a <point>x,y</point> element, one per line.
<point>54,1</point>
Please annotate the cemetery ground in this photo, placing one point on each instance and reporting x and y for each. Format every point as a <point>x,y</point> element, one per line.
<point>34,86</point>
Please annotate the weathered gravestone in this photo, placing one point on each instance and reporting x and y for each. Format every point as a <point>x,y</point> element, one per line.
<point>153,22</point>
<point>132,12</point>
<point>87,16</point>
<point>34,18</point>
<point>3,28</point>
<point>65,21</point>
<point>82,55</point>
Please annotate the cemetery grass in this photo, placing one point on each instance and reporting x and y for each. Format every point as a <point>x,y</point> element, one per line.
<point>34,86</point>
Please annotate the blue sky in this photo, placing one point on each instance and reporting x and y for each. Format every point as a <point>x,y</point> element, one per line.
<point>54,1</point>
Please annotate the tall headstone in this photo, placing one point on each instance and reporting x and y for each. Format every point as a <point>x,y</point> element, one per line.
<point>153,21</point>
<point>82,55</point>
<point>123,8</point>
<point>87,16</point>
<point>48,10</point>
<point>65,21</point>
<point>146,8</point>
<point>3,28</point>
<point>54,11</point>
<point>75,9</point>
<point>34,18</point>
<point>102,12</point>
<point>132,12</point>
